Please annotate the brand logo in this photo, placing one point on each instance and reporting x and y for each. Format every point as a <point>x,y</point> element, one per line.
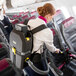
<point>14,42</point>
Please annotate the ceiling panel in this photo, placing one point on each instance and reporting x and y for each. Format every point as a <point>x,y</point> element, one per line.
<point>18,3</point>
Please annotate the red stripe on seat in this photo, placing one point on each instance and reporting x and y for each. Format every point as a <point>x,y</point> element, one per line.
<point>0,46</point>
<point>14,22</point>
<point>58,12</point>
<point>68,21</point>
<point>24,17</point>
<point>3,64</point>
<point>33,17</point>
<point>53,31</point>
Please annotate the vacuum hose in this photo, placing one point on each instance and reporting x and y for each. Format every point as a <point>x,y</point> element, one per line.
<point>34,68</point>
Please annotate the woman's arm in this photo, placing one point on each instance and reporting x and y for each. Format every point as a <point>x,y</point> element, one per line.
<point>49,43</point>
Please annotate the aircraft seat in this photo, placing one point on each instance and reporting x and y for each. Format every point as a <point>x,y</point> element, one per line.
<point>68,22</point>
<point>58,17</point>
<point>14,16</point>
<point>32,17</point>
<point>24,17</point>
<point>68,30</point>
<point>34,13</point>
<point>8,69</point>
<point>4,50</point>
<point>18,16</point>
<point>15,22</point>
<point>57,20</point>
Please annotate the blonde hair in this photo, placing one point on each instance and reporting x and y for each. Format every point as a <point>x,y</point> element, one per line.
<point>46,9</point>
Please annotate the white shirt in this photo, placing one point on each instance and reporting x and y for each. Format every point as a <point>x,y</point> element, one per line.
<point>1,15</point>
<point>41,37</point>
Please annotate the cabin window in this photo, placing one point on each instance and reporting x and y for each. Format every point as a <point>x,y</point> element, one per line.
<point>74,9</point>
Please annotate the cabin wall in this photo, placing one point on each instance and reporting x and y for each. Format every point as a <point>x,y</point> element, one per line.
<point>68,5</point>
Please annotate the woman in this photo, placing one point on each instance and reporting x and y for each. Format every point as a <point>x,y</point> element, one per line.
<point>46,13</point>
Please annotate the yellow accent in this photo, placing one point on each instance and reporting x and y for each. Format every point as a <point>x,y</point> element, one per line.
<point>27,38</point>
<point>61,52</point>
<point>14,51</point>
<point>26,59</point>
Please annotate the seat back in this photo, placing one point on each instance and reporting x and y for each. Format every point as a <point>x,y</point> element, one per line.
<point>4,51</point>
<point>58,18</point>
<point>15,22</point>
<point>7,68</point>
<point>4,36</point>
<point>55,27</point>
<point>68,30</point>
<point>34,13</point>
<point>32,17</point>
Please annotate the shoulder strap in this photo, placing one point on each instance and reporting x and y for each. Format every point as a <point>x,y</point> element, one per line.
<point>39,28</point>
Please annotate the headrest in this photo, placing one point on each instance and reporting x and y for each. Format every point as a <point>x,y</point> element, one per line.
<point>14,16</point>
<point>58,17</point>
<point>34,13</point>
<point>24,17</point>
<point>33,17</point>
<point>58,12</point>
<point>21,27</point>
<point>21,13</point>
<point>68,22</point>
<point>18,16</point>
<point>15,22</point>
<point>25,13</point>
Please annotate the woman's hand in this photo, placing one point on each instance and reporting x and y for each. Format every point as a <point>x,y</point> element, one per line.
<point>57,51</point>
